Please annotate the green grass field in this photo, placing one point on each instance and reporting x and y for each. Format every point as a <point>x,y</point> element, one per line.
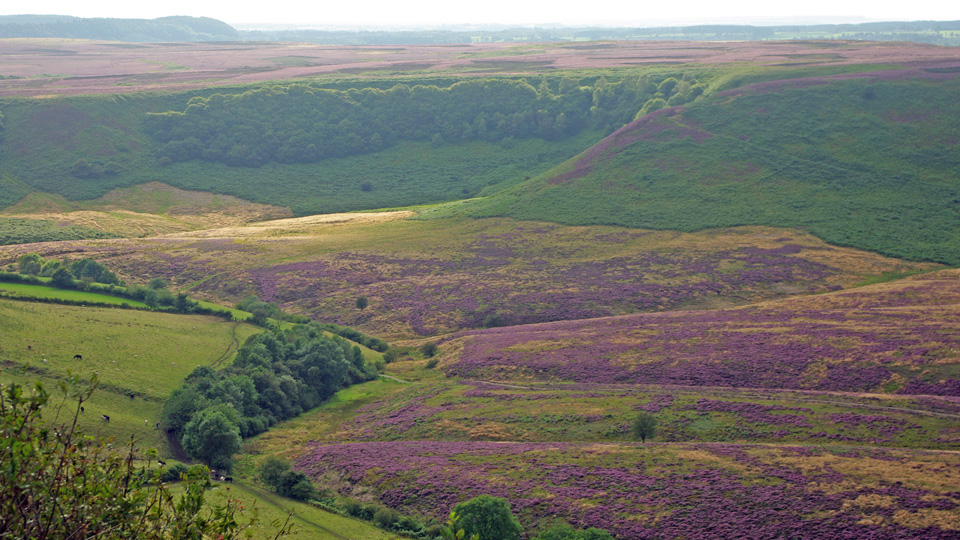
<point>26,290</point>
<point>310,523</point>
<point>134,353</point>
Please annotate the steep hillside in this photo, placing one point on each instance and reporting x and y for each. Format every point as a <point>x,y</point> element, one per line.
<point>867,161</point>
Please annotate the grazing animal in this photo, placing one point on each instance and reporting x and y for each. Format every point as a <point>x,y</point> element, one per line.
<point>105,417</point>
<point>29,347</point>
<point>221,479</point>
<point>229,479</point>
<point>162,462</point>
<point>77,357</point>
<point>156,426</point>
<point>81,408</point>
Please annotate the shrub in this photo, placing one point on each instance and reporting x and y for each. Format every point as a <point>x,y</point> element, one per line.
<point>296,485</point>
<point>644,426</point>
<point>174,472</point>
<point>488,517</point>
<point>62,278</point>
<point>428,349</point>
<point>352,508</point>
<point>30,263</point>
<point>157,284</point>
<point>386,518</point>
<point>493,320</point>
<point>272,469</point>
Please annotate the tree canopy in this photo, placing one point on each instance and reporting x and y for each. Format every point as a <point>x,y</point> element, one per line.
<point>488,517</point>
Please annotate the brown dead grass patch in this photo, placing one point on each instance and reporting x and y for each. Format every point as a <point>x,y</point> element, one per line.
<point>939,472</point>
<point>490,431</point>
<point>928,517</point>
<point>872,500</point>
<point>298,227</point>
<point>696,455</point>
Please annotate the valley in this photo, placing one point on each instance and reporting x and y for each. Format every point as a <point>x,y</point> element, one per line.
<point>755,244</point>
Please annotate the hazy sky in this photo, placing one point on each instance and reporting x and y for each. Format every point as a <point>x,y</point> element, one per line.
<point>436,12</point>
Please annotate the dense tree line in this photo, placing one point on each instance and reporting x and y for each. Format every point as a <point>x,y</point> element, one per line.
<point>276,375</point>
<point>63,274</point>
<point>300,123</point>
<point>89,275</point>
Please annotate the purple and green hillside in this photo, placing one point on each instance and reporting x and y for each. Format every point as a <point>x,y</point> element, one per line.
<point>477,411</point>
<point>657,491</point>
<point>429,277</point>
<point>867,161</point>
<point>900,337</point>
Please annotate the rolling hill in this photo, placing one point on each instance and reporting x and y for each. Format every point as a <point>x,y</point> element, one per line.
<point>866,161</point>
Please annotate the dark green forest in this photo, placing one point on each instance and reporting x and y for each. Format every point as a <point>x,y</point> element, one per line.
<point>304,124</point>
<point>276,375</point>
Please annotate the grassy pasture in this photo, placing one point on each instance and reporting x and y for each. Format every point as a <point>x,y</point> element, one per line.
<point>129,418</point>
<point>146,353</point>
<point>139,357</point>
<point>26,290</point>
<point>310,522</point>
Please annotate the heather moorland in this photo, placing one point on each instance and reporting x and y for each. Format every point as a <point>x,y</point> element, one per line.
<point>747,246</point>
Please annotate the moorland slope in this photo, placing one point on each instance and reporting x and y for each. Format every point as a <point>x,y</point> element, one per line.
<point>866,161</point>
<point>427,277</point>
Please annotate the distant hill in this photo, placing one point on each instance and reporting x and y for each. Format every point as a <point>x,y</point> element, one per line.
<point>868,162</point>
<point>932,32</point>
<point>181,28</point>
<point>130,30</point>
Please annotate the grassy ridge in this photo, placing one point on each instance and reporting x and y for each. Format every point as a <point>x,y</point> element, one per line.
<point>864,163</point>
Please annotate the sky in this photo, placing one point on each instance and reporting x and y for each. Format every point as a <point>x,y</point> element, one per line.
<point>385,13</point>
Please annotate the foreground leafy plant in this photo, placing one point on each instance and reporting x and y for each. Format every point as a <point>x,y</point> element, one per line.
<point>56,482</point>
